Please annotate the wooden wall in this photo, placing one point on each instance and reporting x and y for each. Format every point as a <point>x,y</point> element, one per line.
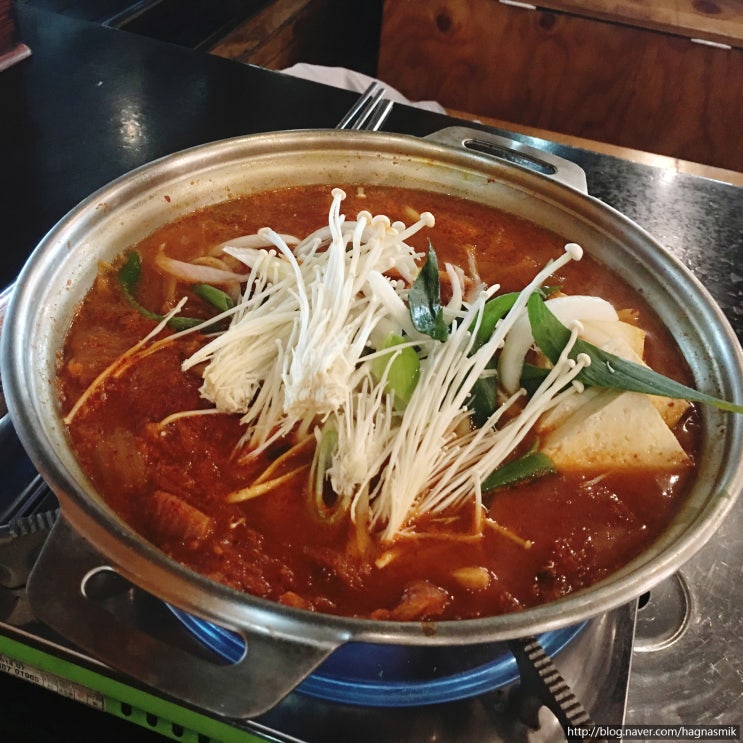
<point>587,77</point>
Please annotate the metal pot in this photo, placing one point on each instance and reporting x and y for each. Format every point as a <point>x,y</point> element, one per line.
<point>284,644</point>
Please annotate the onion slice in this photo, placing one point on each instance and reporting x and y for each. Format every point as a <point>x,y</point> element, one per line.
<point>196,274</point>
<point>520,339</point>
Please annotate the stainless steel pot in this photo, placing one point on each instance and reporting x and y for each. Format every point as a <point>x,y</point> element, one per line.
<point>284,644</point>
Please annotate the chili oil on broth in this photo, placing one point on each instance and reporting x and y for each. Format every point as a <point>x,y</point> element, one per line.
<point>556,535</point>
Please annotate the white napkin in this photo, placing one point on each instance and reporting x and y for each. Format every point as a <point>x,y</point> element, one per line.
<point>340,77</point>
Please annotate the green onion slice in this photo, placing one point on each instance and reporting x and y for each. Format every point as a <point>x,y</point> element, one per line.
<point>129,275</point>
<point>404,369</point>
<point>498,307</point>
<point>531,466</point>
<point>215,297</point>
<point>424,300</point>
<point>606,369</point>
<point>321,463</point>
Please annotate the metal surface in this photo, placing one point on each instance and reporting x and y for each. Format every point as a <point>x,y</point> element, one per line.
<point>543,686</point>
<point>513,151</point>
<point>688,660</point>
<point>4,299</point>
<point>369,112</point>
<point>56,278</point>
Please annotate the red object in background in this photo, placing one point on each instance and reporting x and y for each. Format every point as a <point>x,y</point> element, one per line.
<point>11,50</point>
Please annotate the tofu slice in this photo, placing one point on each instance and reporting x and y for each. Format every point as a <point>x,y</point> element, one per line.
<point>671,409</point>
<point>614,431</point>
<point>555,417</point>
<point>617,337</point>
<point>628,342</point>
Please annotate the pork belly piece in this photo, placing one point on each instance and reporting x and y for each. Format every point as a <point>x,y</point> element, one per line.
<point>171,517</point>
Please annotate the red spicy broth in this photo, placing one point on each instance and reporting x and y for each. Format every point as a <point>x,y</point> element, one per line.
<point>170,483</point>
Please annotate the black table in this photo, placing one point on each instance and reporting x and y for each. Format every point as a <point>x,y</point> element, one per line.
<point>92,103</point>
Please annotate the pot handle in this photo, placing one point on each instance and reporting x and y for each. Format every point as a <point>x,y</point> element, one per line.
<point>271,668</point>
<point>517,153</point>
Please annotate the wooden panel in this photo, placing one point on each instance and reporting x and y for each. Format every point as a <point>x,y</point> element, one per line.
<point>591,79</point>
<point>714,20</point>
<point>268,39</point>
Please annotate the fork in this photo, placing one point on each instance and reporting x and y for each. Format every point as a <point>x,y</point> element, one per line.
<point>369,111</point>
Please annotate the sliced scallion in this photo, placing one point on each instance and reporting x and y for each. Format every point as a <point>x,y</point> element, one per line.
<point>403,371</point>
<point>495,309</point>
<point>483,399</point>
<point>129,275</point>
<point>322,461</point>
<point>215,297</point>
<point>424,300</point>
<point>531,466</point>
<point>606,369</point>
